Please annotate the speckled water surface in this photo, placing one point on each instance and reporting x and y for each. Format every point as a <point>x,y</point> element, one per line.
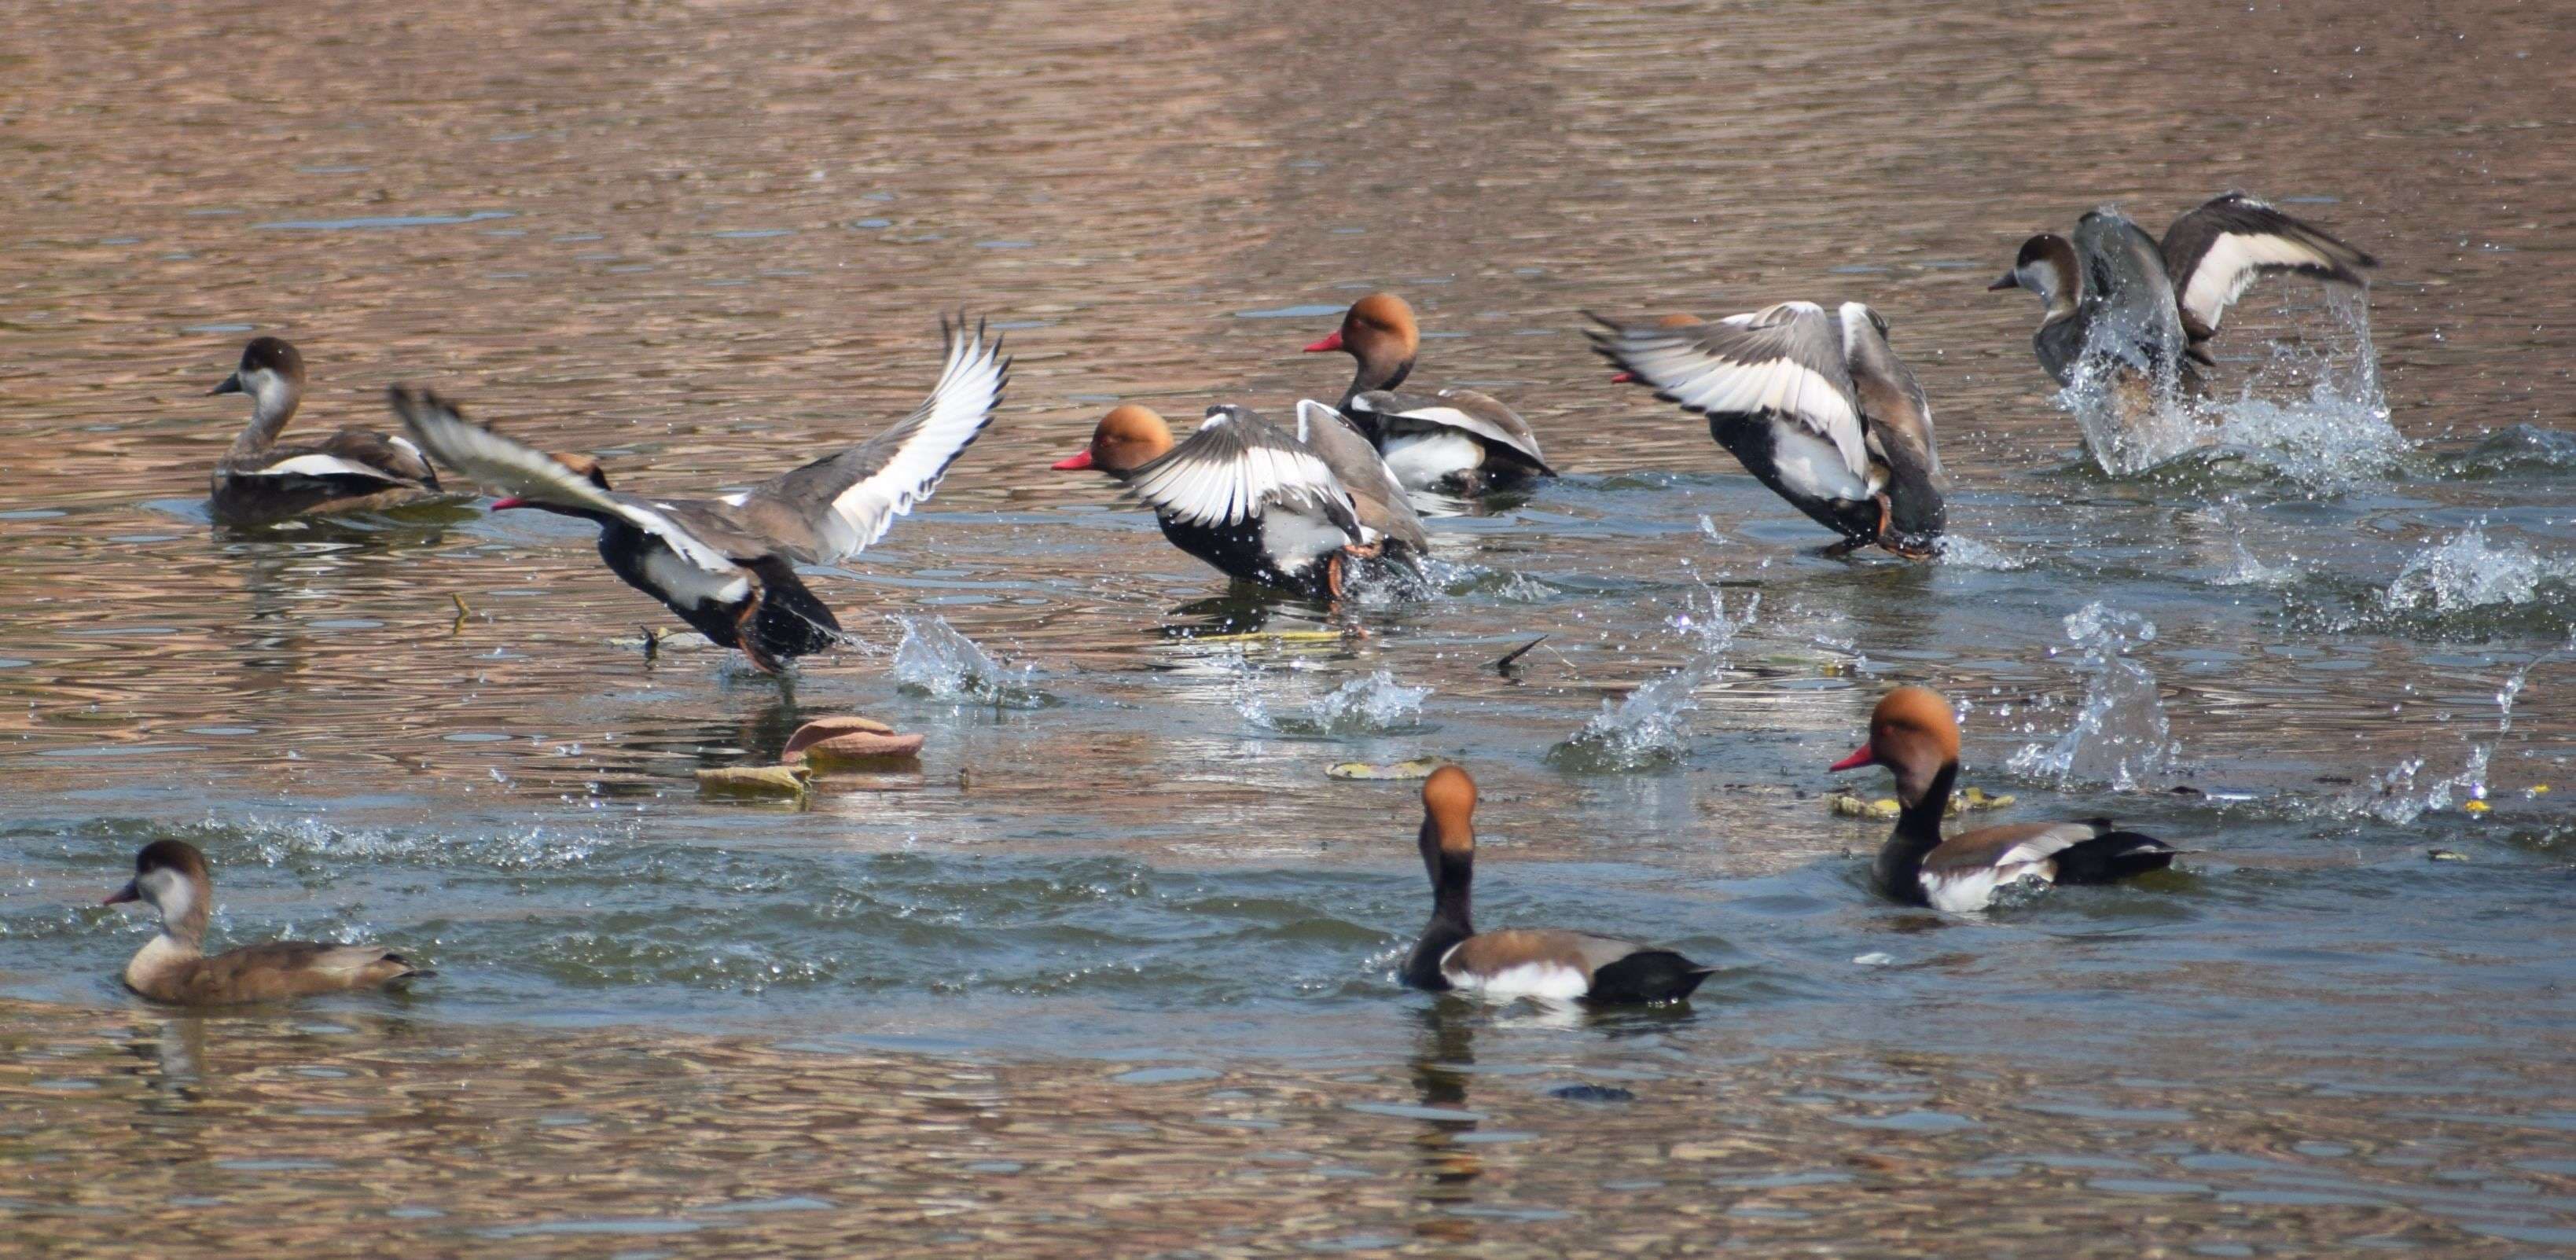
<point>1111,973</point>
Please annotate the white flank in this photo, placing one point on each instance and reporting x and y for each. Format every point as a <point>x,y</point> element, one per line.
<point>316,466</point>
<point>687,584</point>
<point>1974,890</point>
<point>1812,466</point>
<point>1551,981</point>
<point>1294,536</point>
<point>1422,459</point>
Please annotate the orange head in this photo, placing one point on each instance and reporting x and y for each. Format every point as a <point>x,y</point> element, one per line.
<point>1913,734</point>
<point>1378,329</point>
<point>1128,438</point>
<point>1449,810</point>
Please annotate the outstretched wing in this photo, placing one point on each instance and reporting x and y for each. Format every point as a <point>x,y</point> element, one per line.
<point>1377,498</point>
<point>1783,360</point>
<point>523,470</point>
<point>1233,468</point>
<point>2216,252</point>
<point>836,506</point>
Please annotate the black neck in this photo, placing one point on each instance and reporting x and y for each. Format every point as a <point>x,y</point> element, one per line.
<point>1452,915</point>
<point>1918,832</point>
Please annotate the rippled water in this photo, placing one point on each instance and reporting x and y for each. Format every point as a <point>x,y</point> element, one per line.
<point>1120,932</point>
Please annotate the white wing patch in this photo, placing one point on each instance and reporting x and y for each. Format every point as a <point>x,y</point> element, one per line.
<point>317,466</point>
<point>2231,266</point>
<point>1554,982</point>
<point>1229,491</point>
<point>959,407</point>
<point>1693,378</point>
<point>1813,466</point>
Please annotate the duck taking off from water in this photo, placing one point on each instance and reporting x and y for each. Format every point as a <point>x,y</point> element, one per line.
<point>727,566</point>
<point>1545,963</point>
<point>1913,734</point>
<point>1294,511</point>
<point>353,470</point>
<point>1815,405</point>
<point>171,877</point>
<point>1448,441</point>
<point>2134,312</point>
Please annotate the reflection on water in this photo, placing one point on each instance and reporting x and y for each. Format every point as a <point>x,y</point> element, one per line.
<point>707,246</point>
<point>243,1134</point>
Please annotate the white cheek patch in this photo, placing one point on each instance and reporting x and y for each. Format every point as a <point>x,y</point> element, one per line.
<point>1420,459</point>
<point>1553,982</point>
<point>173,896</point>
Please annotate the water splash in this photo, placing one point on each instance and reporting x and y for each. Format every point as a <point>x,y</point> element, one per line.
<point>2312,411</point>
<point>2465,572</point>
<point>1972,553</point>
<point>2120,735</point>
<point>1372,705</point>
<point>935,660</point>
<point>1650,727</point>
<point>2250,570</point>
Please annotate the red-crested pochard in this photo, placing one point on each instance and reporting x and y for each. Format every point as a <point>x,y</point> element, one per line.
<point>2165,298</point>
<point>1293,511</point>
<point>1544,963</point>
<point>1913,734</point>
<point>728,566</point>
<point>1815,405</point>
<point>170,876</point>
<point>352,470</point>
<point>1454,441</point>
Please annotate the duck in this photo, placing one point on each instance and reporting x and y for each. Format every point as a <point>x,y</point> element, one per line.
<point>353,470</point>
<point>1445,441</point>
<point>1291,511</point>
<point>1913,734</point>
<point>727,565</point>
<point>171,877</point>
<point>1549,964</point>
<point>2164,298</point>
<point>1815,405</point>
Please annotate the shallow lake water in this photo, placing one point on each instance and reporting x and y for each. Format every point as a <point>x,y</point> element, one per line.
<point>1112,972</point>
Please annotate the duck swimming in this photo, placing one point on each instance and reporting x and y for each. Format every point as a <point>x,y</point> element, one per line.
<point>1294,511</point>
<point>1913,734</point>
<point>1451,441</point>
<point>727,566</point>
<point>353,470</point>
<point>1815,405</point>
<point>2139,310</point>
<point>1544,963</point>
<point>170,876</point>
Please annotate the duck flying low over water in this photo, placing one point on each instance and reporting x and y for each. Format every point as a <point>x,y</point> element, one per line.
<point>1814,404</point>
<point>727,566</point>
<point>1544,963</point>
<point>1913,734</point>
<point>1295,511</point>
<point>171,877</point>
<point>2115,292</point>
<point>1450,441</point>
<point>352,470</point>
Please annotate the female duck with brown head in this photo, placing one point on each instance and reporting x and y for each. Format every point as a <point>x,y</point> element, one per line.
<point>352,470</point>
<point>1293,511</point>
<point>1913,734</point>
<point>170,876</point>
<point>1543,963</point>
<point>1453,441</point>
